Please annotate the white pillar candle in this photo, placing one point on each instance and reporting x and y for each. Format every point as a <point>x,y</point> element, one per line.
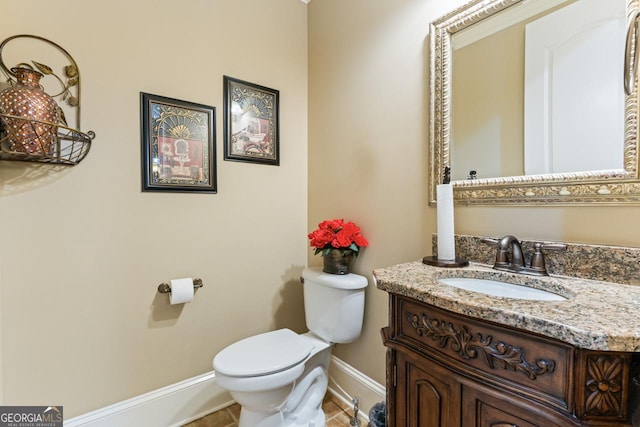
<point>446,239</point>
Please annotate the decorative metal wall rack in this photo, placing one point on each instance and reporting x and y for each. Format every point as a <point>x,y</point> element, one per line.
<point>33,126</point>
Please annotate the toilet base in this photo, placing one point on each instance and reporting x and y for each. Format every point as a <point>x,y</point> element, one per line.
<point>250,418</point>
<point>320,420</point>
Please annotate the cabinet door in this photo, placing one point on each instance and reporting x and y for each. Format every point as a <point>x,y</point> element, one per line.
<point>485,408</point>
<point>427,395</point>
<point>489,416</point>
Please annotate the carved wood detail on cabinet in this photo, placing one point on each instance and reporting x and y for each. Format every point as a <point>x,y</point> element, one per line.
<point>471,346</point>
<point>448,370</point>
<point>535,366</point>
<point>604,380</point>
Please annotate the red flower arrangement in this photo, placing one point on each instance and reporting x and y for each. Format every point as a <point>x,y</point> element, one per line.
<point>337,234</point>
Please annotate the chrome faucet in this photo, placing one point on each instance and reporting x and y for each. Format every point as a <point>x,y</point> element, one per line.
<point>509,255</point>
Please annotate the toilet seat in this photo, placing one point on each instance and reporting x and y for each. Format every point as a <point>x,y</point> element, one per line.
<point>263,354</point>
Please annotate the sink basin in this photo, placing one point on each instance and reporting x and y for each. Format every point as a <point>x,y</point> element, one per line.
<point>501,289</point>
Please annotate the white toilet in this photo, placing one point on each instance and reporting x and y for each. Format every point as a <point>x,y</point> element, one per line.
<point>280,378</point>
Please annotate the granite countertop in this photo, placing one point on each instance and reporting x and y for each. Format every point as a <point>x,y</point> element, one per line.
<point>596,315</point>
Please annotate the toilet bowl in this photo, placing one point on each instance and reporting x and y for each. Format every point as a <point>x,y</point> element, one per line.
<point>280,378</point>
<point>265,388</point>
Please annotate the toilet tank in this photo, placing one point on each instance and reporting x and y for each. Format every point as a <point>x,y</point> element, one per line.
<point>334,304</point>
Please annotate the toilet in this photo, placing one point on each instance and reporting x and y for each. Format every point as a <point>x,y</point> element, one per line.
<point>280,378</point>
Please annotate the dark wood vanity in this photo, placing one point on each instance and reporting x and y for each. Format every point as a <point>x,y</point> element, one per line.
<point>450,363</point>
<point>447,370</point>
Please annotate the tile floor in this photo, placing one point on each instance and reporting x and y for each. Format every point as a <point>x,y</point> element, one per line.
<point>338,415</point>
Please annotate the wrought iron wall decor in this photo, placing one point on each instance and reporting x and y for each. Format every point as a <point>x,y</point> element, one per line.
<point>33,126</point>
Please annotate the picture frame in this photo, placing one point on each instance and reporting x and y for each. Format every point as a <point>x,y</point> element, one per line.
<point>178,145</point>
<point>251,122</point>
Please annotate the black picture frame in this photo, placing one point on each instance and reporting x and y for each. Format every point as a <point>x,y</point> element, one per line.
<point>178,145</point>
<point>251,122</point>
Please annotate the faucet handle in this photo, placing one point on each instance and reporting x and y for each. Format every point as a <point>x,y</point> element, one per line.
<point>558,247</point>
<point>537,259</point>
<point>501,254</point>
<point>489,241</point>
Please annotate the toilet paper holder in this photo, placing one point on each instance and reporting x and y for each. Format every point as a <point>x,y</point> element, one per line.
<point>165,288</point>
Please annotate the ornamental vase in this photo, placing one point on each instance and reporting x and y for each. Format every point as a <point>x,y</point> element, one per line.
<point>337,261</point>
<point>34,130</point>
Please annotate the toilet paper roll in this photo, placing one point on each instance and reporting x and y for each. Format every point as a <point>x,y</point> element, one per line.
<point>181,290</point>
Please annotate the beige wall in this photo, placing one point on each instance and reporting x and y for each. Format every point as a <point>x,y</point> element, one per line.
<point>368,133</point>
<point>82,249</point>
<point>368,125</point>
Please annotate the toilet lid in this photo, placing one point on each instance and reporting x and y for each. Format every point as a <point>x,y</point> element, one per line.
<point>263,354</point>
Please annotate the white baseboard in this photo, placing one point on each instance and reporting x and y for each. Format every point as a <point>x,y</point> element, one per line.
<point>171,406</point>
<point>188,400</point>
<point>346,382</point>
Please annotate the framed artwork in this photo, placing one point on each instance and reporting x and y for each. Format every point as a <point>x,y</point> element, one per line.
<point>251,122</point>
<point>178,145</point>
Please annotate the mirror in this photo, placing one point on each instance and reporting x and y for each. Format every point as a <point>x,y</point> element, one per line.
<point>495,64</point>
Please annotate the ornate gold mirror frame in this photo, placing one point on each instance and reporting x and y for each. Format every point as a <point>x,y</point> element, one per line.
<point>603,187</point>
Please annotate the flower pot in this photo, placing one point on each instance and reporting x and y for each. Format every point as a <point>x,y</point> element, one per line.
<point>33,130</point>
<point>337,261</point>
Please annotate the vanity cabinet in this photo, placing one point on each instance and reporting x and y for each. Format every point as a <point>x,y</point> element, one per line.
<point>445,369</point>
